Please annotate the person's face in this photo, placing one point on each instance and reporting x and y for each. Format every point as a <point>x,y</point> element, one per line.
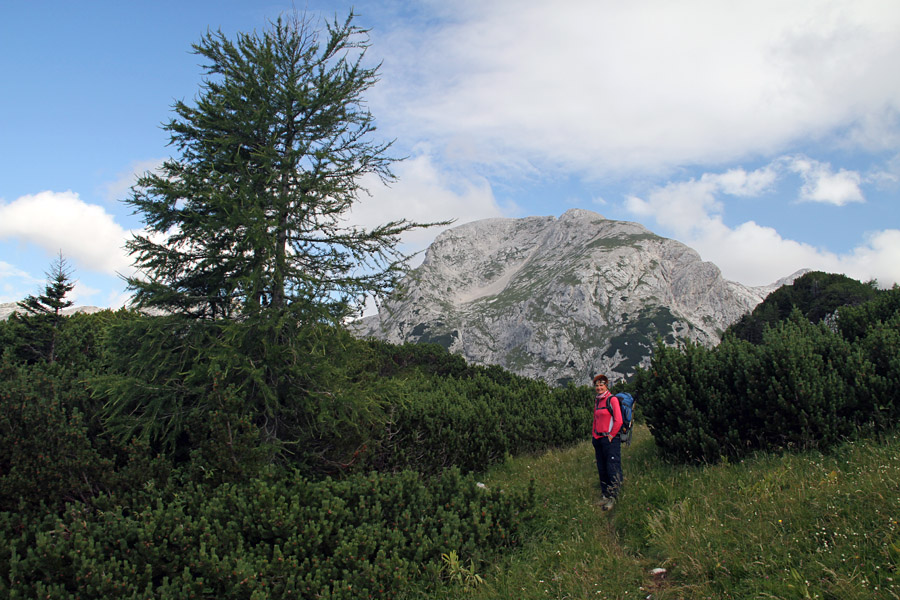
<point>600,386</point>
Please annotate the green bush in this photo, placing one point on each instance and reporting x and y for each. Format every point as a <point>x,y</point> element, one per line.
<point>278,536</point>
<point>805,386</point>
<point>877,378</point>
<point>50,454</point>
<point>76,339</point>
<point>320,399</point>
<point>815,294</point>
<point>475,421</point>
<point>156,458</point>
<point>300,386</point>
<point>855,321</point>
<point>46,454</point>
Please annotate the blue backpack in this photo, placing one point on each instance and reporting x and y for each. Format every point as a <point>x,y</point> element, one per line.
<point>626,404</point>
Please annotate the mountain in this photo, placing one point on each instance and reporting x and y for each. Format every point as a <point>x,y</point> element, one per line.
<point>561,298</point>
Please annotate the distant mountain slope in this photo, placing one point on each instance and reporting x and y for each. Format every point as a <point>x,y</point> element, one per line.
<point>8,308</point>
<point>560,299</point>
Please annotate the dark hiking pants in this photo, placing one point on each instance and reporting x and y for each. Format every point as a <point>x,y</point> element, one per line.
<point>609,465</point>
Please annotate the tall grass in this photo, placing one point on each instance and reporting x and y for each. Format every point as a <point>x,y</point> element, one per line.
<point>803,525</point>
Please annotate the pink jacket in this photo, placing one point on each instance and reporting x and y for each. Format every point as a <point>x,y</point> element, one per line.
<point>606,423</point>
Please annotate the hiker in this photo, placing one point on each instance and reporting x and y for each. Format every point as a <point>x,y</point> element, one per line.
<point>607,445</point>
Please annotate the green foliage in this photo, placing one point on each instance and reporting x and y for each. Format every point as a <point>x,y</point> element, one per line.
<point>54,447</point>
<point>430,359</point>
<point>53,300</point>
<point>737,398</point>
<point>321,399</point>
<point>40,322</point>
<point>816,294</point>
<point>804,380</point>
<point>77,338</point>
<point>300,386</point>
<point>854,322</point>
<point>670,407</point>
<point>877,377</point>
<point>78,349</point>
<point>85,513</point>
<point>152,381</point>
<point>278,536</point>
<point>47,456</point>
<point>458,573</point>
<point>805,385</point>
<point>474,421</point>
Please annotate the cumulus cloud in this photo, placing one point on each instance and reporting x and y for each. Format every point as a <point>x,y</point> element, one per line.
<point>878,258</point>
<point>684,207</point>
<point>738,182</point>
<point>425,193</point>
<point>751,253</point>
<point>605,86</point>
<point>86,233</point>
<point>821,184</point>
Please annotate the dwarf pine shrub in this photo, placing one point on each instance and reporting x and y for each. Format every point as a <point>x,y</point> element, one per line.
<point>805,386</point>
<point>280,536</point>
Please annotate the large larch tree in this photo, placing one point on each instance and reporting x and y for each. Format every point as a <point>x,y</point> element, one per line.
<point>252,213</point>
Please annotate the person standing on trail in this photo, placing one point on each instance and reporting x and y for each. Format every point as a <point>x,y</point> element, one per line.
<point>607,445</point>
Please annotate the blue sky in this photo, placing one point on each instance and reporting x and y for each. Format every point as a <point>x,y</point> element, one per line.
<point>764,134</point>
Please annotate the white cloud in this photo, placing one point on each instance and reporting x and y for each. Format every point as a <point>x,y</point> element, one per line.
<point>887,175</point>
<point>821,184</point>
<point>116,299</point>
<point>756,255</point>
<point>598,85</point>
<point>738,182</point>
<point>876,131</point>
<point>685,208</point>
<point>753,254</point>
<point>82,293</point>
<point>878,258</point>
<point>424,193</point>
<point>87,235</point>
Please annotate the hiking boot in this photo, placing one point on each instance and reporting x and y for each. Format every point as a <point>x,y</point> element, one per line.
<point>608,503</point>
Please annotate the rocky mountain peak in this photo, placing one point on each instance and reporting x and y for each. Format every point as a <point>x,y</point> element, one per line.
<point>560,298</point>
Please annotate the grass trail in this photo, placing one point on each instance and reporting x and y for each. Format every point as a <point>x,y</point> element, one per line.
<point>803,525</point>
<point>575,549</point>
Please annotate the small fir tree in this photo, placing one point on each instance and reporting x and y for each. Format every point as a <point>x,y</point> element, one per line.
<point>53,300</point>
<point>42,318</point>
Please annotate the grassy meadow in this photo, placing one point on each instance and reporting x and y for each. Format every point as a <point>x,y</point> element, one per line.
<point>798,525</point>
